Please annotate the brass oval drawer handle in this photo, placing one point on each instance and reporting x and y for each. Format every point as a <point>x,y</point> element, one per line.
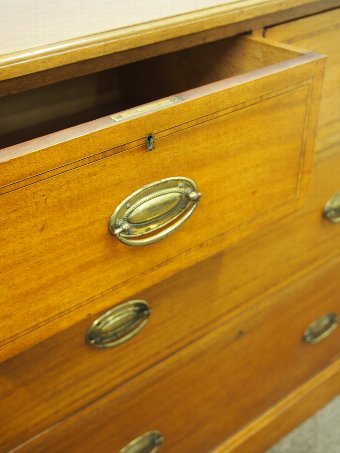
<point>147,443</point>
<point>154,211</point>
<point>321,328</point>
<point>332,209</point>
<point>118,325</point>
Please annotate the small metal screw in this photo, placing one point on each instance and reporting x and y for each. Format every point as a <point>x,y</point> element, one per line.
<point>122,227</point>
<point>308,338</point>
<point>194,196</point>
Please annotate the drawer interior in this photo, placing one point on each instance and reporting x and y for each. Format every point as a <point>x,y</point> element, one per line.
<point>51,108</point>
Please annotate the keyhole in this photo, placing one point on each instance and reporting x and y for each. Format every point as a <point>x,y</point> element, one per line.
<point>150,142</point>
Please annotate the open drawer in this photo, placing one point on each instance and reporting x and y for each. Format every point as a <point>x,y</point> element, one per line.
<point>237,117</point>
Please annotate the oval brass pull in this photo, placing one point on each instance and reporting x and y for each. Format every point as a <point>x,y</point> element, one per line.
<point>332,209</point>
<point>154,211</point>
<point>118,325</point>
<point>321,328</point>
<point>147,443</point>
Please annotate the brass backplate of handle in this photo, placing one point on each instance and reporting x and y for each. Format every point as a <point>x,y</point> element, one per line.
<point>154,211</point>
<point>119,324</point>
<point>147,443</point>
<point>321,328</point>
<point>332,209</point>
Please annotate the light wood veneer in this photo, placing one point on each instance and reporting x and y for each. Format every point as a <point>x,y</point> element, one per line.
<point>63,254</point>
<point>214,386</point>
<point>195,301</point>
<point>221,363</point>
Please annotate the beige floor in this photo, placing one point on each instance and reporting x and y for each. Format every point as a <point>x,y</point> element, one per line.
<point>319,434</point>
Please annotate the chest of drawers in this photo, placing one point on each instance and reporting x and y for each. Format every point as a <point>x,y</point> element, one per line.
<point>207,150</point>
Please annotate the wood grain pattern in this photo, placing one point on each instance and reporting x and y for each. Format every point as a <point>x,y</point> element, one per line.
<point>285,415</point>
<point>60,53</point>
<point>77,218</point>
<point>266,287</point>
<point>70,255</point>
<point>237,279</point>
<point>261,350</point>
<point>193,309</point>
<point>320,33</point>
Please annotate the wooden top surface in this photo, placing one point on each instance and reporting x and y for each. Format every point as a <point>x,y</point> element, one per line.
<point>40,22</point>
<point>37,35</point>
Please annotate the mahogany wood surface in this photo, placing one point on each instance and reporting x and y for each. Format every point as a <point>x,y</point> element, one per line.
<point>221,363</point>
<point>195,301</point>
<point>286,414</point>
<point>62,253</point>
<point>214,386</point>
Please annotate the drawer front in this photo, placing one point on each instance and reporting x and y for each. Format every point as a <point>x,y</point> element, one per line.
<point>320,33</point>
<point>247,143</point>
<point>194,301</point>
<point>217,384</point>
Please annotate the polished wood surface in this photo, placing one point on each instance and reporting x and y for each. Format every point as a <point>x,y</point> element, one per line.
<point>215,385</point>
<point>320,33</point>
<point>60,47</point>
<point>221,363</point>
<point>69,255</point>
<point>195,301</point>
<point>286,414</point>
